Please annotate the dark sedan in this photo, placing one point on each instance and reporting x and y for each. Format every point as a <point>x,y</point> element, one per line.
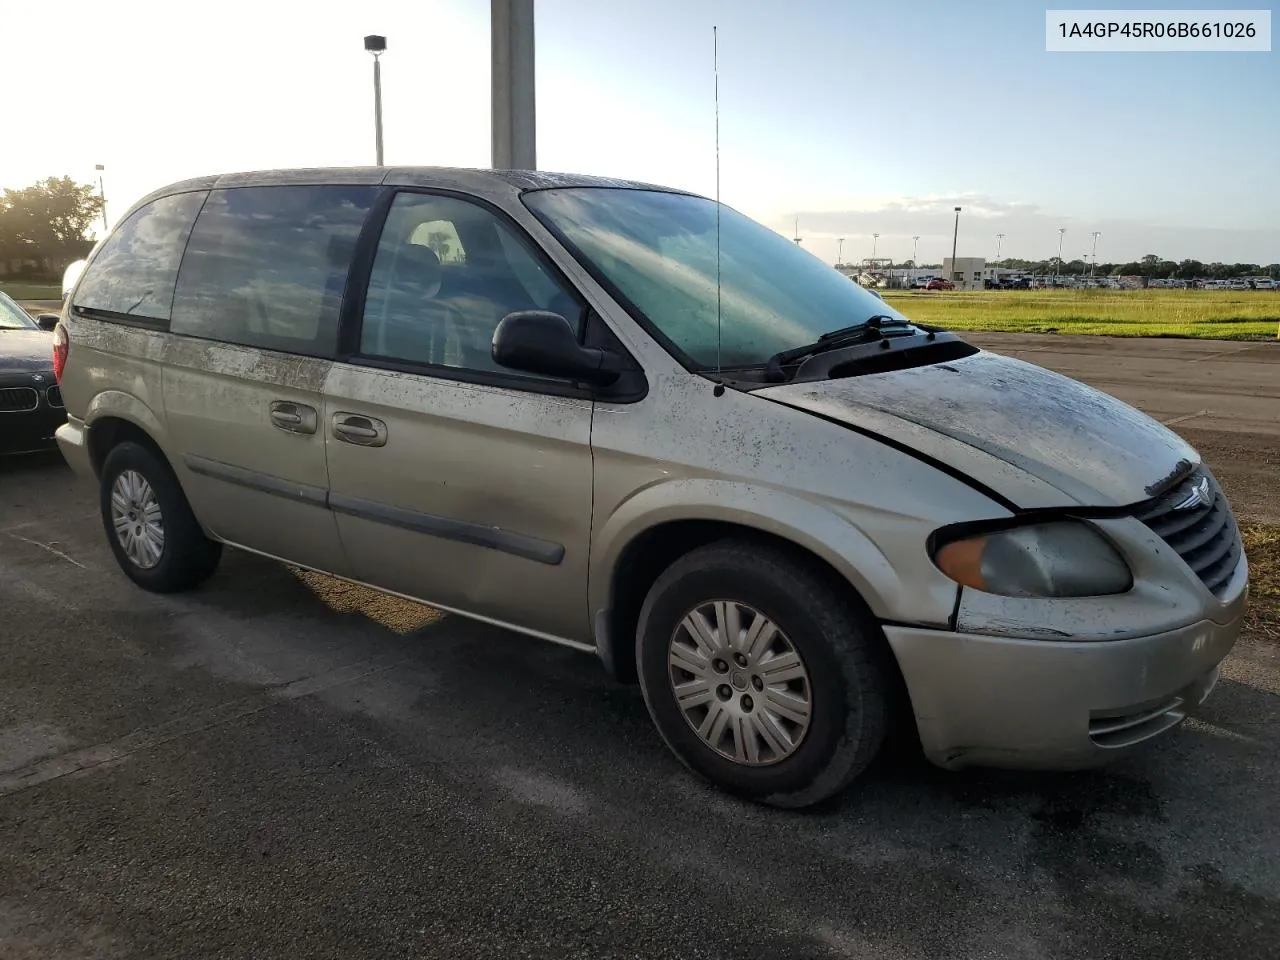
<point>30,403</point>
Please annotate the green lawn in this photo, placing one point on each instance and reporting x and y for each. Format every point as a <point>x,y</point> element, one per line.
<point>21,290</point>
<point>1208,314</point>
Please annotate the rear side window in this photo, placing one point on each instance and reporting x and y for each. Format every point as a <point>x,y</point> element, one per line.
<point>135,271</point>
<point>267,266</point>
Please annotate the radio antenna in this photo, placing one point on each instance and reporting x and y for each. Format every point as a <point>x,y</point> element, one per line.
<point>715,70</point>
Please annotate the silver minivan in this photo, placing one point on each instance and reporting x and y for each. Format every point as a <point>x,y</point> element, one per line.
<point>630,420</point>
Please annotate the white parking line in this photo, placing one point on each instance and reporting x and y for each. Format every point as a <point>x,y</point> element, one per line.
<point>51,549</point>
<point>1185,416</point>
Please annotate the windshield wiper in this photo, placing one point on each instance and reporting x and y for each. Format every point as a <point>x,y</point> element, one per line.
<point>870,329</point>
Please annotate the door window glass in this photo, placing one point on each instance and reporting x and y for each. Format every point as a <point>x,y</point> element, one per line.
<point>445,273</point>
<point>267,266</point>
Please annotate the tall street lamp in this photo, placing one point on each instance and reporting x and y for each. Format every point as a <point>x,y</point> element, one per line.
<point>1057,267</point>
<point>377,46</point>
<point>102,193</point>
<point>840,251</point>
<point>955,236</point>
<point>1096,235</point>
<point>875,238</point>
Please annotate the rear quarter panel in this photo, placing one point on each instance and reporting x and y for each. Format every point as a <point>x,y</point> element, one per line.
<point>115,370</point>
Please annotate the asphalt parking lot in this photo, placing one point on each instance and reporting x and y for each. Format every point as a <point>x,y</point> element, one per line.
<point>280,766</point>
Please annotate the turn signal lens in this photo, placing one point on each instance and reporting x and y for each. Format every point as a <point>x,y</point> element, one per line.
<point>961,560</point>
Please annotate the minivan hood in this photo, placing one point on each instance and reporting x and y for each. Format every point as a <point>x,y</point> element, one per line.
<point>1092,448</point>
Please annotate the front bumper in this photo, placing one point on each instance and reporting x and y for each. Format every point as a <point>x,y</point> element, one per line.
<point>1061,705</point>
<point>30,430</point>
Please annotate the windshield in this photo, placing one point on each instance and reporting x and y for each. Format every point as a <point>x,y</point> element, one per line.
<point>659,251</point>
<point>13,317</point>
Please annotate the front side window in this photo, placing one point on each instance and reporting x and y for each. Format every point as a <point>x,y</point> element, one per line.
<point>659,251</point>
<point>445,273</point>
<point>267,266</point>
<point>134,272</point>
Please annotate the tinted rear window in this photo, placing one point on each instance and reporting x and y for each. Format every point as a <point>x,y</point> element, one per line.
<point>135,271</point>
<point>267,266</point>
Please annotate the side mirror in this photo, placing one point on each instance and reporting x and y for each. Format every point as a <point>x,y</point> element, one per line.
<point>47,321</point>
<point>537,341</point>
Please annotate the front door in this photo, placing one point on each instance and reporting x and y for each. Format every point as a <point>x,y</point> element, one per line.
<point>254,328</point>
<point>454,480</point>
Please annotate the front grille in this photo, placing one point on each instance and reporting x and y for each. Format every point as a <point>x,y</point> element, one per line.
<point>18,399</point>
<point>54,397</point>
<point>1195,520</point>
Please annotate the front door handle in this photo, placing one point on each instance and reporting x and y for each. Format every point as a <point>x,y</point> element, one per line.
<point>293,417</point>
<point>360,430</point>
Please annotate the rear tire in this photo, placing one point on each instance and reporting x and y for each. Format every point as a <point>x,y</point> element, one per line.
<point>806,711</point>
<point>154,535</point>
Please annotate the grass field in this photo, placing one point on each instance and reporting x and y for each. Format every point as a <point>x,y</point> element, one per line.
<point>32,291</point>
<point>1262,544</point>
<point>1208,314</point>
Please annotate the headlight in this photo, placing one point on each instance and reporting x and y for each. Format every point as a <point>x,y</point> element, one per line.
<point>1062,558</point>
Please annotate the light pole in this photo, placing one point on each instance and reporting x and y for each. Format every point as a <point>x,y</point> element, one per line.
<point>995,275</point>
<point>840,251</point>
<point>512,76</point>
<point>102,193</point>
<point>875,238</point>
<point>955,236</point>
<point>1057,267</point>
<point>797,236</point>
<point>377,46</point>
<point>1096,235</point>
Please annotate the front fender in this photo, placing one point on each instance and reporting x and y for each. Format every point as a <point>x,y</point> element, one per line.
<point>806,523</point>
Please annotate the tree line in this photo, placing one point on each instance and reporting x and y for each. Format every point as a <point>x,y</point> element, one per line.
<point>1151,267</point>
<point>46,226</point>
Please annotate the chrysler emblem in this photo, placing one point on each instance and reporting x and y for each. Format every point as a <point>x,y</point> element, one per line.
<point>1198,497</point>
<point>37,377</point>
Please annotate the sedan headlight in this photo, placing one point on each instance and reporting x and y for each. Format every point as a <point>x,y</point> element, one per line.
<point>1061,558</point>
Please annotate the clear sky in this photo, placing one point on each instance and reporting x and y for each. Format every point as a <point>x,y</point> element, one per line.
<point>855,117</point>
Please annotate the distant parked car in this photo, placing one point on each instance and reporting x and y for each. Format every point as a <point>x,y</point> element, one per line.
<point>1264,284</point>
<point>937,283</point>
<point>30,402</point>
<point>70,276</point>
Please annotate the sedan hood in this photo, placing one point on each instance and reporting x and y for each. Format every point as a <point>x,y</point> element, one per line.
<point>1090,448</point>
<point>26,351</point>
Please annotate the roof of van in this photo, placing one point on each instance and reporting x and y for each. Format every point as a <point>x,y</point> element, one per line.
<point>494,184</point>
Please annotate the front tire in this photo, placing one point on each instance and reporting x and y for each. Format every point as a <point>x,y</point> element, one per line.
<point>762,676</point>
<point>154,535</point>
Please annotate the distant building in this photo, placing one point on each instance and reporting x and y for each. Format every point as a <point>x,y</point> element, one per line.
<point>965,272</point>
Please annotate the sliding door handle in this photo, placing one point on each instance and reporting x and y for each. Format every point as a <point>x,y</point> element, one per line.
<point>361,430</point>
<point>293,417</point>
